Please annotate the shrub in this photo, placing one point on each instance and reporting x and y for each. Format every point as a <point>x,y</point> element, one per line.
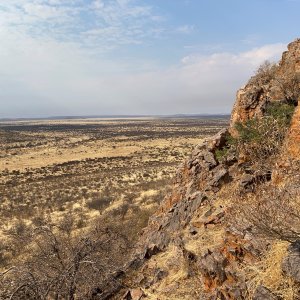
<point>62,267</point>
<point>99,203</point>
<point>221,153</point>
<point>265,73</point>
<point>282,112</point>
<point>271,212</point>
<point>259,140</point>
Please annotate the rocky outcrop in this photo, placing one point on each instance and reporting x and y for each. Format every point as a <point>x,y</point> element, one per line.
<point>196,209</point>
<point>251,100</point>
<point>197,178</point>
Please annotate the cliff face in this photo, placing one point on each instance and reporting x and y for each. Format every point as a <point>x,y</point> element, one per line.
<point>191,248</point>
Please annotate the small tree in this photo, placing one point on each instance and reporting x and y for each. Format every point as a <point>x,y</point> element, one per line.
<point>265,72</point>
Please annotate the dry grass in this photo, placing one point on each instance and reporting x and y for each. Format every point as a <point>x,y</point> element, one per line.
<point>119,170</point>
<point>268,272</point>
<point>180,282</point>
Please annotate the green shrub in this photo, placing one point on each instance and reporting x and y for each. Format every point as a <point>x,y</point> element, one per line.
<point>280,111</point>
<point>221,153</point>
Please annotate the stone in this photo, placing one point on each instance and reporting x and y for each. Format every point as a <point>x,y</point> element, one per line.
<point>246,180</point>
<point>151,250</point>
<point>251,100</point>
<point>262,293</point>
<point>209,159</point>
<point>219,140</point>
<point>134,294</point>
<point>212,266</point>
<point>137,294</point>
<point>210,217</point>
<point>291,263</point>
<point>220,175</point>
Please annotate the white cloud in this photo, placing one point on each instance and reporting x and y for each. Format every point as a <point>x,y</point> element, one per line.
<point>48,77</point>
<point>50,62</point>
<point>95,23</point>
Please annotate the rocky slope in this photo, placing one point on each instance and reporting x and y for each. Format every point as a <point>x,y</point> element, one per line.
<point>197,246</point>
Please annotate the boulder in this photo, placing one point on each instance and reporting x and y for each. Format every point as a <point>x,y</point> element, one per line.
<point>134,294</point>
<point>262,293</point>
<point>291,263</point>
<point>246,181</point>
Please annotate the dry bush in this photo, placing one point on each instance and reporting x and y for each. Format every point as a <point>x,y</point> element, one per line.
<point>265,73</point>
<point>289,85</point>
<point>259,140</point>
<point>272,212</point>
<point>100,202</point>
<point>58,266</point>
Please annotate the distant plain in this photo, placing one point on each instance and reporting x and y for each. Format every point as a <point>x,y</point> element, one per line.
<point>78,170</point>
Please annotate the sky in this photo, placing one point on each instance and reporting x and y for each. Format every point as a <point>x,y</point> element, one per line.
<point>104,57</point>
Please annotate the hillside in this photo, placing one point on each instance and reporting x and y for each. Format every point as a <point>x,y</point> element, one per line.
<point>230,228</point>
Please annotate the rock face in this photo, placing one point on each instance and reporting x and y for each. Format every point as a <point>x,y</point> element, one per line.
<point>199,176</point>
<point>193,218</point>
<point>251,99</point>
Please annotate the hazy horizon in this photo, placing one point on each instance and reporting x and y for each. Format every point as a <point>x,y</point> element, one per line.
<point>135,57</point>
<point>125,116</point>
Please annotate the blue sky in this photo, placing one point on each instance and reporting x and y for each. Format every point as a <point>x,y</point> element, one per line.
<point>92,57</point>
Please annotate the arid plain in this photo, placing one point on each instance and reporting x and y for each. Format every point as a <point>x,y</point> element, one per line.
<point>73,172</point>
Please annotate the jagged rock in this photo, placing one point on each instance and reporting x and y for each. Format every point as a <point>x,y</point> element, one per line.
<point>262,293</point>
<point>151,250</point>
<point>246,181</point>
<point>209,159</point>
<point>219,140</point>
<point>291,264</point>
<point>134,294</point>
<point>220,280</point>
<point>212,266</point>
<point>230,158</point>
<point>219,175</point>
<point>212,216</point>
